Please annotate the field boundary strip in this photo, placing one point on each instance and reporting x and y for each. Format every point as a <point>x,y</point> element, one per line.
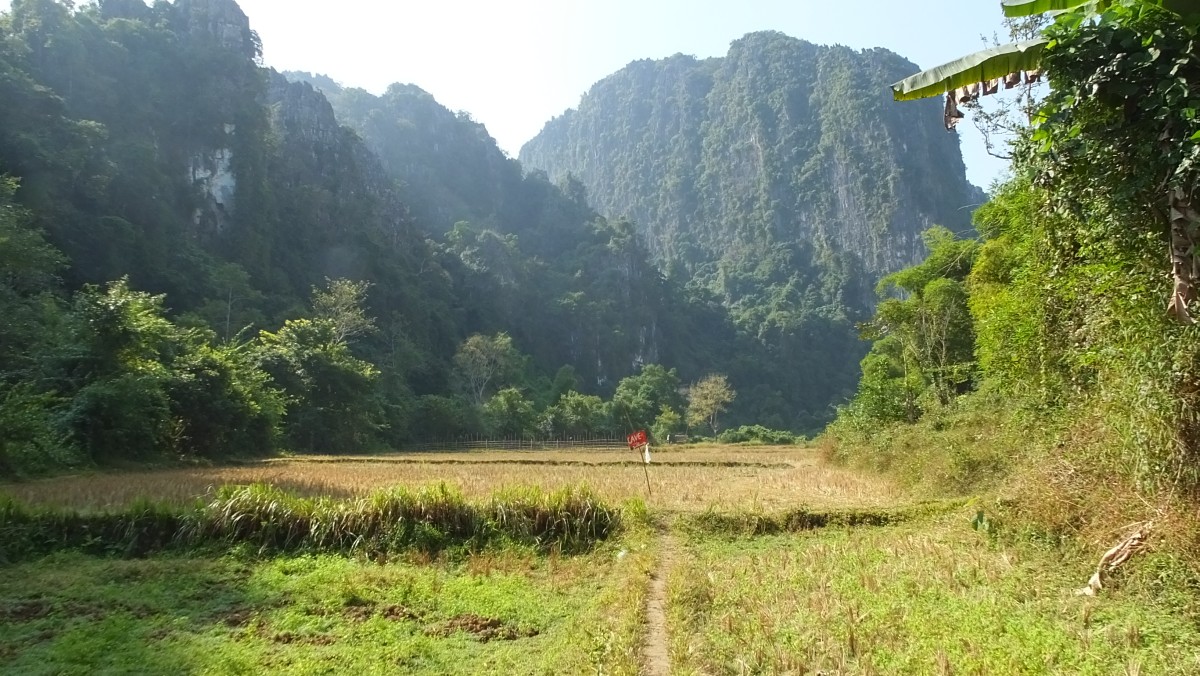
<point>516,461</point>
<point>482,444</point>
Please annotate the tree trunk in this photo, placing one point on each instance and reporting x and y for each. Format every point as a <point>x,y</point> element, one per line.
<point>1183,255</point>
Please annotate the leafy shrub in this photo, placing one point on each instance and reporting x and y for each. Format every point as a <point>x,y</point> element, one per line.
<point>30,439</point>
<point>123,417</point>
<point>223,404</point>
<point>757,434</point>
<point>438,417</point>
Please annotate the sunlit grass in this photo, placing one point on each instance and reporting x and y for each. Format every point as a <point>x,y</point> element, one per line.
<point>928,596</point>
<point>264,517</point>
<point>498,612</point>
<point>732,478</point>
<point>782,564</point>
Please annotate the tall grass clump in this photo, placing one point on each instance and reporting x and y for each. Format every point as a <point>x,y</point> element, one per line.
<point>570,519</point>
<point>271,520</point>
<point>754,523</point>
<point>139,529</point>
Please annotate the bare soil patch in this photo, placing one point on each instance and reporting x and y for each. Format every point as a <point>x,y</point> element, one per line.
<point>482,629</point>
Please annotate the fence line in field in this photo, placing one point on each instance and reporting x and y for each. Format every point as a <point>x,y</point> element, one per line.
<point>481,443</point>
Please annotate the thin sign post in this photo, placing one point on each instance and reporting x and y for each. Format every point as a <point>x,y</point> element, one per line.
<point>639,440</point>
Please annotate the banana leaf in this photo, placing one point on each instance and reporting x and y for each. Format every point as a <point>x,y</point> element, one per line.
<point>1188,9</point>
<point>1018,8</point>
<point>978,67</point>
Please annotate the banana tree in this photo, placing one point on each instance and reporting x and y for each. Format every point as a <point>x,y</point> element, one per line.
<point>1014,57</point>
<point>1178,139</point>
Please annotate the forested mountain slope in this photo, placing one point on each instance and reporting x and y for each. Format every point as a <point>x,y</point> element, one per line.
<point>781,143</point>
<point>523,255</point>
<point>611,309</point>
<point>150,144</point>
<point>199,259</point>
<point>780,181</point>
<point>302,262</point>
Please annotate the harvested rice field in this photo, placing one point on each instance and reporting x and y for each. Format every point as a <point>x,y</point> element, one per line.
<point>735,560</point>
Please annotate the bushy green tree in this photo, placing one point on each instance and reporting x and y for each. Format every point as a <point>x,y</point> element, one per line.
<point>639,398</point>
<point>145,387</point>
<point>509,414</point>
<point>1024,327</point>
<point>330,393</point>
<point>933,323</point>
<point>486,362</point>
<point>667,423</point>
<point>924,340</point>
<point>574,415</point>
<point>121,409</point>
<point>342,303</point>
<point>222,402</point>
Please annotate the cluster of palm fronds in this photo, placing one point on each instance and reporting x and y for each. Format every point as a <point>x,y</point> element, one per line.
<point>268,519</point>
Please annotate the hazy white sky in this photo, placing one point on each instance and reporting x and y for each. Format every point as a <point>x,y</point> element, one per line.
<point>514,64</point>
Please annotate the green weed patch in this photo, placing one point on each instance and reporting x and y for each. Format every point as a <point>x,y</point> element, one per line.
<point>499,611</point>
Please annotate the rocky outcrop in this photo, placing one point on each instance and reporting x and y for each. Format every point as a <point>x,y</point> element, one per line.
<point>223,20</point>
<point>211,174</point>
<point>299,110</point>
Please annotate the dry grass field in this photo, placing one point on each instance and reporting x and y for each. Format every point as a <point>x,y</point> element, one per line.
<point>715,572</point>
<point>692,478</point>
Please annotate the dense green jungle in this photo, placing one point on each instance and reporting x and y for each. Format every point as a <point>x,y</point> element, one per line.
<point>205,258</point>
<point>250,320</point>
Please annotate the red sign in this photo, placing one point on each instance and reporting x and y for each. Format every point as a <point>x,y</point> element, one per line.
<point>637,439</point>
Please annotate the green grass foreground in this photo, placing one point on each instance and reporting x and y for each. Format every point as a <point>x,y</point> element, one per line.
<point>525,582</point>
<point>502,611</point>
<point>928,595</point>
<point>264,517</point>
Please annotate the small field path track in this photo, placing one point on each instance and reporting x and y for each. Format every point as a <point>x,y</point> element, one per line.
<point>656,654</point>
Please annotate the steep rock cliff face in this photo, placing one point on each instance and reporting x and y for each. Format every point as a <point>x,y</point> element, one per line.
<point>217,30</point>
<point>779,182</point>
<point>211,173</point>
<point>223,21</point>
<point>779,142</point>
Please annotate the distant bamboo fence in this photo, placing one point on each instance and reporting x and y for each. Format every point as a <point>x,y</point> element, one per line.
<point>484,443</point>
